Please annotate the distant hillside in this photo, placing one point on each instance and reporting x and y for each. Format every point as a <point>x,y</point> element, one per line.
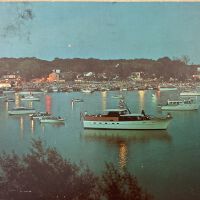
<point>34,68</point>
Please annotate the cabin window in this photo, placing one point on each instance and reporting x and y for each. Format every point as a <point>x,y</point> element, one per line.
<point>106,123</point>
<point>117,123</point>
<point>113,123</point>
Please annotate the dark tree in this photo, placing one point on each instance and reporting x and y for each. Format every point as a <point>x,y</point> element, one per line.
<point>115,185</point>
<point>43,174</point>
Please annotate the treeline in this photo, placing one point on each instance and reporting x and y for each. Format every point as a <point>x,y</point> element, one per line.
<point>165,67</point>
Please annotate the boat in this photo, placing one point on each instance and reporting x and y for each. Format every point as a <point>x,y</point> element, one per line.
<point>118,96</point>
<point>30,92</point>
<point>8,91</point>
<point>194,93</point>
<point>77,100</point>
<point>9,100</point>
<point>167,88</point>
<point>21,110</point>
<point>2,96</point>
<point>39,115</point>
<point>30,98</point>
<point>180,105</point>
<point>124,119</point>
<point>52,119</point>
<point>87,91</point>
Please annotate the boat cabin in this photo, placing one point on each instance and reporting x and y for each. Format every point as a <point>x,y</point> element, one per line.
<point>189,101</point>
<point>117,115</point>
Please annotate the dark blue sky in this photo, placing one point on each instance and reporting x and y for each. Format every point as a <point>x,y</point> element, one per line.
<point>100,30</point>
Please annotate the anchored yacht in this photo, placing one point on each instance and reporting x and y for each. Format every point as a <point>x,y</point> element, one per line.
<point>123,119</point>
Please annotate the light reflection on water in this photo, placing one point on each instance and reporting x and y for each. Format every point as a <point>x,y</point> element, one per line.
<point>122,138</point>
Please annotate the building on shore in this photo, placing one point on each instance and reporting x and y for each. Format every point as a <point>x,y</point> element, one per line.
<point>55,76</point>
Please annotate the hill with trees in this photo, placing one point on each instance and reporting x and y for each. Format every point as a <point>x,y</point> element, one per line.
<point>30,68</point>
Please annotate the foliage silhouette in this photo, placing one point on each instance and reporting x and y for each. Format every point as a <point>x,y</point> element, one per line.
<point>43,174</point>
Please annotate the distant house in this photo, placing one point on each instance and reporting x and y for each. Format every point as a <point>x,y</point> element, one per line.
<point>54,76</point>
<point>11,79</point>
<point>136,76</point>
<point>88,74</point>
<point>197,75</point>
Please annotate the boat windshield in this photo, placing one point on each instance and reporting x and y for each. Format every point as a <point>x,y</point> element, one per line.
<point>117,112</point>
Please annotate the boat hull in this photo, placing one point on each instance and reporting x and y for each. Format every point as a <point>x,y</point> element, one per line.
<point>189,94</point>
<point>30,92</point>
<point>30,99</point>
<point>153,124</point>
<point>168,89</point>
<point>180,108</point>
<point>52,121</point>
<point>12,112</point>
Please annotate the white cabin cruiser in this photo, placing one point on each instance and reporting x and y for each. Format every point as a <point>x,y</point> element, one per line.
<point>21,111</point>
<point>30,98</point>
<point>39,115</point>
<point>167,88</point>
<point>193,93</point>
<point>123,119</point>
<point>52,120</point>
<point>180,105</point>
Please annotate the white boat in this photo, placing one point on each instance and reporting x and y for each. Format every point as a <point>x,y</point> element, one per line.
<point>8,91</point>
<point>30,98</point>
<point>123,119</point>
<point>39,115</point>
<point>86,91</point>
<point>9,100</point>
<point>118,96</point>
<point>2,96</point>
<point>52,120</point>
<point>77,100</point>
<point>190,93</point>
<point>21,111</point>
<point>180,105</point>
<point>30,92</point>
<point>167,88</point>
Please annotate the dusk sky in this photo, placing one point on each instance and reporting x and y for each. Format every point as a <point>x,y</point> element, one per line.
<point>100,30</point>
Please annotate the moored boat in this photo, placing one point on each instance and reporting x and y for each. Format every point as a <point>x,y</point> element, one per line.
<point>87,91</point>
<point>2,96</point>
<point>194,93</point>
<point>21,111</point>
<point>167,88</point>
<point>9,100</point>
<point>39,115</point>
<point>123,119</point>
<point>77,100</point>
<point>8,91</point>
<point>180,105</point>
<point>118,96</point>
<point>52,119</point>
<point>30,98</point>
<point>30,92</point>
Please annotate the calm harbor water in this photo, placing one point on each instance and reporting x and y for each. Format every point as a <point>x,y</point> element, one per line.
<point>166,163</point>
